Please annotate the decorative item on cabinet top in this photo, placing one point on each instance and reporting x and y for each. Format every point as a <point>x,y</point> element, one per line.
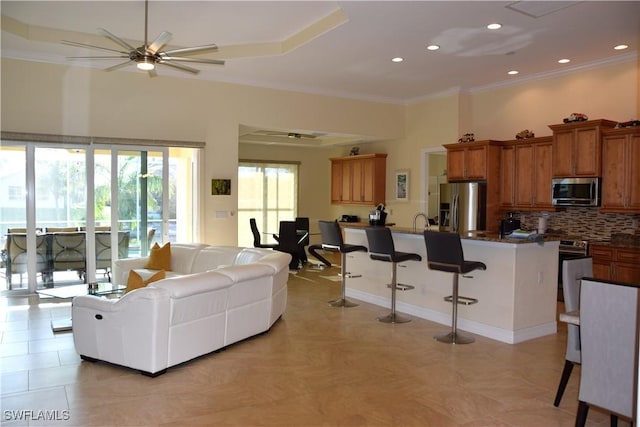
<point>467,137</point>
<point>630,123</point>
<point>576,117</point>
<point>525,134</point>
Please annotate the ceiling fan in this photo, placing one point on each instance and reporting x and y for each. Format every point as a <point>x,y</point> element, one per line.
<point>292,135</point>
<point>149,54</point>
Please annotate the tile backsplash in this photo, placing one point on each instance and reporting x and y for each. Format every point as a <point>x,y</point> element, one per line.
<point>587,223</point>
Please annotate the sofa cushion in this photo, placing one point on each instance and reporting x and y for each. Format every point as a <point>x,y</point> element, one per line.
<point>251,255</point>
<point>146,273</point>
<point>191,284</point>
<point>183,256</point>
<point>160,257</point>
<point>214,257</point>
<point>135,281</point>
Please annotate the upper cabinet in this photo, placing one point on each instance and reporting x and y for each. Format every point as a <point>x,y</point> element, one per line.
<point>358,180</point>
<point>478,161</point>
<point>621,170</point>
<point>577,148</point>
<point>472,161</point>
<point>526,174</point>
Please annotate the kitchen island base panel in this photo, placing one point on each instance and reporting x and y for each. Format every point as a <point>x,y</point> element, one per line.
<point>517,293</point>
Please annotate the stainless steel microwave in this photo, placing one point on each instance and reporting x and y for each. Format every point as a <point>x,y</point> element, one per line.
<point>575,191</point>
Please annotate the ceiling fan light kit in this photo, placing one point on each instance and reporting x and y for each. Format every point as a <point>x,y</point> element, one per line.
<point>146,65</point>
<point>148,55</point>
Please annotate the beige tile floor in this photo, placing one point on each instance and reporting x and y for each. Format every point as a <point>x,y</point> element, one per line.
<point>318,366</point>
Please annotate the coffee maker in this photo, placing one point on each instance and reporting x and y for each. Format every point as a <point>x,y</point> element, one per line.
<point>507,225</point>
<point>378,216</point>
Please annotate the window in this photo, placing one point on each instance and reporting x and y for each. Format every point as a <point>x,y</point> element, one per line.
<point>16,192</point>
<point>267,192</point>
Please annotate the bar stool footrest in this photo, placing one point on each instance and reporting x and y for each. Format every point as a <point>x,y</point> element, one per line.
<point>462,300</point>
<point>350,275</point>
<point>401,287</point>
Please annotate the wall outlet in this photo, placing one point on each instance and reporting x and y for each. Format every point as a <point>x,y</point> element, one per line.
<point>540,277</point>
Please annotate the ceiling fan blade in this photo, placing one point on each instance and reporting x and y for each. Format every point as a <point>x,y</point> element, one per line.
<point>116,39</point>
<point>191,50</point>
<point>117,66</point>
<point>195,60</point>
<point>180,67</point>
<point>159,42</point>
<point>97,57</point>
<point>76,44</point>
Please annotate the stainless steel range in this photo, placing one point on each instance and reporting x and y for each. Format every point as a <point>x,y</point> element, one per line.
<point>570,248</point>
<point>574,246</point>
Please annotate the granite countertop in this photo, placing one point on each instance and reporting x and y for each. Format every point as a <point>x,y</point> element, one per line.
<point>488,236</point>
<point>615,244</point>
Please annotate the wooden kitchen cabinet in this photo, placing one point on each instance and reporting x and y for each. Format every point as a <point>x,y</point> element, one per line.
<point>577,148</point>
<point>507,175</point>
<point>358,180</point>
<point>478,161</point>
<point>621,170</point>
<point>617,263</point>
<point>527,173</point>
<point>472,161</point>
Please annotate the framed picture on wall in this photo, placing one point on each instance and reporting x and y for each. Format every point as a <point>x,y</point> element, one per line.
<point>402,185</point>
<point>220,187</point>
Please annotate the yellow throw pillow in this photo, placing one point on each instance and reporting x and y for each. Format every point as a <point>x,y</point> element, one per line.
<point>160,257</point>
<point>135,280</point>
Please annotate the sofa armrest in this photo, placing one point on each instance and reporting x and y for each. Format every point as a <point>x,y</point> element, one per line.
<point>121,268</point>
<point>131,331</point>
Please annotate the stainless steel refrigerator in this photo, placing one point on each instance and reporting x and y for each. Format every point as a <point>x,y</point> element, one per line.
<point>463,207</point>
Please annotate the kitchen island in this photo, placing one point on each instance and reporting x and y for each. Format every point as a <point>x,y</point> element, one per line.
<point>517,293</point>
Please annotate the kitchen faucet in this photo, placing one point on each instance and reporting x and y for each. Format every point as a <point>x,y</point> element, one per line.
<point>415,219</point>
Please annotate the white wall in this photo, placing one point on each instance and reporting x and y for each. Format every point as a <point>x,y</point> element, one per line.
<point>59,99</point>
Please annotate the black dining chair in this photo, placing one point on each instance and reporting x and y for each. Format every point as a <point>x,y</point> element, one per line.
<point>302,228</point>
<point>256,236</point>
<point>288,241</point>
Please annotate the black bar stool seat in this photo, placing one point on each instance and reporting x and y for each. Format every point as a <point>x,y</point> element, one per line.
<point>444,253</point>
<point>381,248</point>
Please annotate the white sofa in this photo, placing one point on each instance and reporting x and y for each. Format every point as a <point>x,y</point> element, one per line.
<point>213,297</point>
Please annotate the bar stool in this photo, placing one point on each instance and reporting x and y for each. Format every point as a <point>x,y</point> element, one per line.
<point>332,242</point>
<point>381,248</point>
<point>444,253</point>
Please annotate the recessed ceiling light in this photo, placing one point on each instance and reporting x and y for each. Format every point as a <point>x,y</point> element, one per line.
<point>433,47</point>
<point>513,72</point>
<point>621,47</point>
<point>397,59</point>
<point>564,61</point>
<point>494,26</point>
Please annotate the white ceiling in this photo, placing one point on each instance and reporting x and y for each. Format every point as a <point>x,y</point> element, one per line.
<point>341,48</point>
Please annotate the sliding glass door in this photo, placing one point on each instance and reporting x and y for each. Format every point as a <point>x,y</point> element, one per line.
<point>71,210</point>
